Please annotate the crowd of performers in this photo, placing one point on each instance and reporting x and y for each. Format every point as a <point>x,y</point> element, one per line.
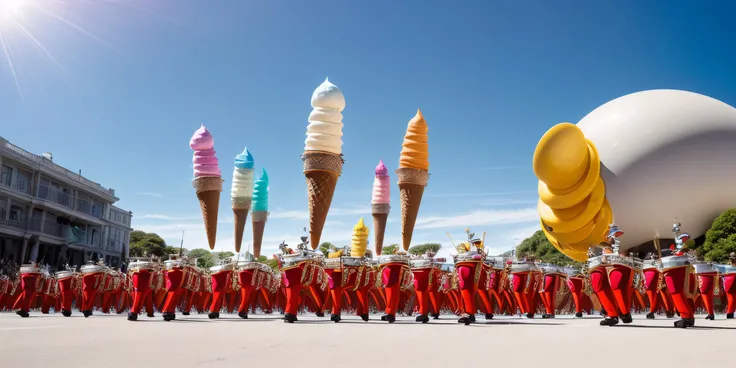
<point>611,284</point>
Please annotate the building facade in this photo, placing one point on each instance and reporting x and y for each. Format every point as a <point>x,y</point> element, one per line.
<point>53,215</point>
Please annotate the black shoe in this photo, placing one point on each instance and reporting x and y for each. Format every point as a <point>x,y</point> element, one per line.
<point>685,323</point>
<point>423,319</point>
<point>530,315</point>
<point>335,318</point>
<point>472,318</point>
<point>150,315</point>
<point>23,314</point>
<point>184,313</point>
<point>603,312</point>
<point>132,316</point>
<point>364,317</point>
<point>710,317</point>
<point>384,317</point>
<point>609,321</point>
<point>66,313</point>
<point>243,315</point>
<point>489,316</point>
<point>579,315</point>
<point>650,315</point>
<point>465,319</point>
<point>626,318</point>
<point>320,314</point>
<point>729,316</point>
<point>214,315</point>
<point>87,313</point>
<point>168,316</point>
<point>435,316</point>
<point>670,315</point>
<point>290,318</point>
<point>390,318</point>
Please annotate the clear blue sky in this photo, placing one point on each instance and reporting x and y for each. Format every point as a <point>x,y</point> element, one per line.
<point>133,82</point>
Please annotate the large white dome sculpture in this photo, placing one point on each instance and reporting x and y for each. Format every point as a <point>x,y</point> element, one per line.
<point>663,154</point>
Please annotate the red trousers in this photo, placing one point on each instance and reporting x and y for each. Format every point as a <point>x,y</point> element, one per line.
<point>706,283</point>
<point>292,279</point>
<point>391,277</point>
<point>220,283</point>
<point>174,291</point>
<point>548,292</point>
<point>142,293</point>
<point>245,278</point>
<point>676,279</point>
<point>576,285</point>
<point>729,288</point>
<point>421,288</point>
<point>90,283</point>
<point>27,293</point>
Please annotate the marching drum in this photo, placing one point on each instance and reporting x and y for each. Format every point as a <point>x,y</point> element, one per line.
<point>393,258</point>
<point>521,266</point>
<point>293,260</point>
<point>420,263</point>
<point>222,268</point>
<point>704,268</point>
<point>674,262</point>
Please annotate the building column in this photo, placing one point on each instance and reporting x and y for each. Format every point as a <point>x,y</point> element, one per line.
<point>34,250</point>
<point>22,255</point>
<point>43,220</point>
<point>7,208</point>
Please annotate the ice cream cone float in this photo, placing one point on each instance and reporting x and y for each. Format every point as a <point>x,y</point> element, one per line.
<point>259,206</point>
<point>323,155</point>
<point>413,175</point>
<point>380,204</point>
<point>207,181</point>
<point>241,194</point>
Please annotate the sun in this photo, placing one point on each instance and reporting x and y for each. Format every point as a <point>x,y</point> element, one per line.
<point>10,8</point>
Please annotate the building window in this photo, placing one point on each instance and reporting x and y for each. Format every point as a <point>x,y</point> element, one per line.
<point>23,181</point>
<point>6,175</point>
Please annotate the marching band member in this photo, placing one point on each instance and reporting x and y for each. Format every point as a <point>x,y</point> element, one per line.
<point>174,274</point>
<point>141,274</point>
<point>729,286</point>
<point>707,276</point>
<point>655,287</point>
<point>302,270</point>
<point>551,279</point>
<point>677,272</point>
<point>395,277</point>
<point>221,276</point>
<point>30,275</point>
<point>423,270</point>
<point>576,284</point>
<point>525,280</point>
<point>468,267</point>
<point>485,282</point>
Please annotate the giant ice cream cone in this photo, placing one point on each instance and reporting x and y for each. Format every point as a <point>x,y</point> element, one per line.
<point>260,211</point>
<point>323,155</point>
<point>413,174</point>
<point>359,242</point>
<point>207,181</point>
<point>241,194</point>
<point>380,204</point>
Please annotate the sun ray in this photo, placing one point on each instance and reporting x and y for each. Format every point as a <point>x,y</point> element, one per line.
<point>75,26</point>
<point>38,43</point>
<point>127,4</point>
<point>12,67</point>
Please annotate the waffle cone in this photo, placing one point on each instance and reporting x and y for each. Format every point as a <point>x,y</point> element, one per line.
<point>320,189</point>
<point>259,226</point>
<point>241,215</point>
<point>411,198</point>
<point>209,202</point>
<point>379,229</point>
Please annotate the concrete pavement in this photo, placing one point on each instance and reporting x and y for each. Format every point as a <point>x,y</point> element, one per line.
<point>194,341</point>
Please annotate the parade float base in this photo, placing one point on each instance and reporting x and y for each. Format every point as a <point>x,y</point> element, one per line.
<point>195,341</point>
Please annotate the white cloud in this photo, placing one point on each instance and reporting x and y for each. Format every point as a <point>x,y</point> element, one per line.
<point>478,218</point>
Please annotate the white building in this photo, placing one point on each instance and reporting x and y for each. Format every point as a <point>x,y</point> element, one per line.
<point>51,214</point>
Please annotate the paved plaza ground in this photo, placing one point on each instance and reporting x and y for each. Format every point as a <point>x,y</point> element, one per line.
<point>265,341</point>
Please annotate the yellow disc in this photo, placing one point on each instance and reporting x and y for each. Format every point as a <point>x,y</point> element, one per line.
<point>577,256</point>
<point>599,232</point>
<point>568,221</point>
<point>561,156</point>
<point>575,194</point>
<point>575,236</point>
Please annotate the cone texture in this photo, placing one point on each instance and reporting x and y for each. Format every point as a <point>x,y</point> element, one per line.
<point>208,190</point>
<point>411,188</point>
<point>240,214</point>
<point>379,229</point>
<point>322,171</point>
<point>259,226</point>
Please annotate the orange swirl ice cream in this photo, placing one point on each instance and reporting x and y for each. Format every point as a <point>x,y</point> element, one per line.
<point>415,151</point>
<point>413,174</point>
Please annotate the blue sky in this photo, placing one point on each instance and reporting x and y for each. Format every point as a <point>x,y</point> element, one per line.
<point>119,87</point>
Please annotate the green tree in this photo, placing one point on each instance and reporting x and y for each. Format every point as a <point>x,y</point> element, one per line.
<point>720,239</point>
<point>541,249</point>
<point>262,258</point>
<point>390,249</point>
<point>204,257</point>
<point>148,244</point>
<point>326,248</point>
<point>273,263</point>
<point>420,249</point>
